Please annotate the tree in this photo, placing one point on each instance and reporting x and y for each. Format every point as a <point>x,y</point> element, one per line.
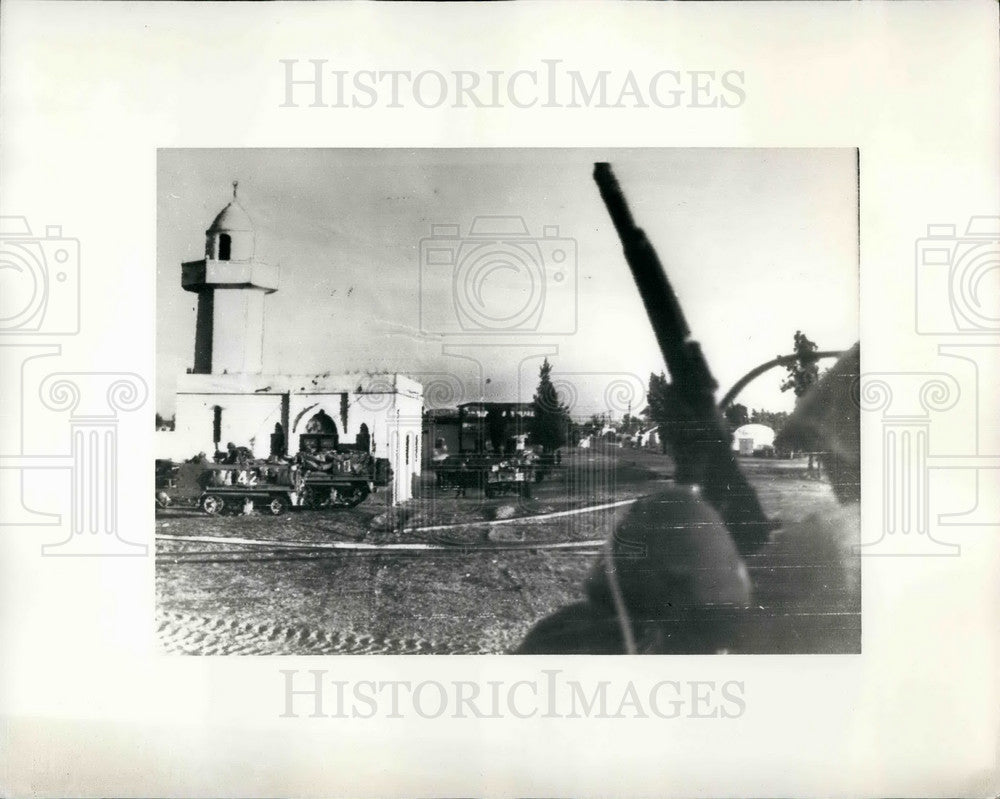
<point>773,419</point>
<point>803,372</point>
<point>658,407</point>
<point>630,425</point>
<point>550,423</point>
<point>737,416</point>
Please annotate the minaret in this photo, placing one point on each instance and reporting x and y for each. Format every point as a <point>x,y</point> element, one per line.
<point>231,284</point>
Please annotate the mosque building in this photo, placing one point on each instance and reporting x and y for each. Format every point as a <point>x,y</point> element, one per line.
<point>228,397</point>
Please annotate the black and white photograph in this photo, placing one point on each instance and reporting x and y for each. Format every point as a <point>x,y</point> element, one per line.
<point>508,401</point>
<point>498,400</point>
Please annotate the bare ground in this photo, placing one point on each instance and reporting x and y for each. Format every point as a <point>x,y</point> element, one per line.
<point>486,578</point>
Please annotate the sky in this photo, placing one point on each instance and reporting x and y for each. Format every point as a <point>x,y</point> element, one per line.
<point>758,243</point>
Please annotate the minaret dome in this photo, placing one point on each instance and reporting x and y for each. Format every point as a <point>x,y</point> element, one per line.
<point>231,236</point>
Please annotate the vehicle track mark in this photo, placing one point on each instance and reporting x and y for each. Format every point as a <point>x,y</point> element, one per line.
<point>187,634</point>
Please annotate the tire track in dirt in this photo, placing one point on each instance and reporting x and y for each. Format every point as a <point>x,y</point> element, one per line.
<point>187,634</point>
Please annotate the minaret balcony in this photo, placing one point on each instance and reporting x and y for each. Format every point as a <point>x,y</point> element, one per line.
<point>214,274</point>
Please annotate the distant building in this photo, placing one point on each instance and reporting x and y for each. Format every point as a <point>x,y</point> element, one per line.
<point>441,432</point>
<point>610,436</point>
<point>482,423</point>
<point>474,427</point>
<point>648,438</point>
<point>750,437</point>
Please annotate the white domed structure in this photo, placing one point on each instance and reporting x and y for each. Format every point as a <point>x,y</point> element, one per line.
<point>752,436</point>
<point>231,235</point>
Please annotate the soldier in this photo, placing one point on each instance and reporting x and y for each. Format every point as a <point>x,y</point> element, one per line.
<point>827,420</point>
<point>462,478</point>
<point>238,455</point>
<point>826,544</point>
<point>671,581</point>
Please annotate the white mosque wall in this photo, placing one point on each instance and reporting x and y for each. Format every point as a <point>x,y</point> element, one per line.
<point>391,407</point>
<point>245,420</point>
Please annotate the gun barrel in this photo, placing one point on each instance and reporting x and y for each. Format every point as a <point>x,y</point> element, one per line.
<point>662,307</point>
<point>709,451</point>
<point>613,198</point>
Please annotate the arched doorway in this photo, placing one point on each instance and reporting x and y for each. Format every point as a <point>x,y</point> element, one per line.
<point>320,433</point>
<point>321,423</point>
<point>225,246</point>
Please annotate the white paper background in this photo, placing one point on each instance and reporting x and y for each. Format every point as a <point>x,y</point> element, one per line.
<point>90,91</point>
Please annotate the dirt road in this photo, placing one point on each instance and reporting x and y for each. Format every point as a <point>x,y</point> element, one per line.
<point>487,573</point>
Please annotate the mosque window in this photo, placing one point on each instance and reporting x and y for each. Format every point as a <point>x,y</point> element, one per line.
<point>216,425</point>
